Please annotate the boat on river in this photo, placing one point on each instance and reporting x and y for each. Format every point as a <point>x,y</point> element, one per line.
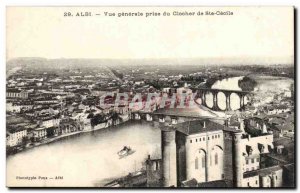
<point>126,151</point>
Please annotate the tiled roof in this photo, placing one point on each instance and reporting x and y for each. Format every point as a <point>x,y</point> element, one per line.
<point>262,172</point>
<point>216,184</point>
<point>197,126</point>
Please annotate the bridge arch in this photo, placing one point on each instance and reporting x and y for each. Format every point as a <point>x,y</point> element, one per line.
<point>214,98</point>
<point>221,97</point>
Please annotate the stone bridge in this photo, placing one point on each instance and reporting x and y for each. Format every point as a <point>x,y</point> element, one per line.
<point>202,93</point>
<point>170,118</point>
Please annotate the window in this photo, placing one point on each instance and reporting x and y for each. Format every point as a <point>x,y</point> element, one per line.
<point>196,140</point>
<point>207,138</point>
<point>196,163</point>
<point>216,159</point>
<point>256,182</point>
<point>248,184</point>
<point>203,138</point>
<point>156,165</point>
<point>247,161</point>
<point>212,137</point>
<point>203,162</point>
<point>218,136</point>
<point>276,177</point>
<point>191,141</point>
<point>257,159</point>
<point>200,139</point>
<point>252,160</point>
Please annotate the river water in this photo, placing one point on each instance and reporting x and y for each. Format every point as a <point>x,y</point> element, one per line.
<point>85,159</point>
<point>226,84</point>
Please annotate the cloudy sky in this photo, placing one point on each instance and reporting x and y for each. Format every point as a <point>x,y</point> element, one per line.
<point>260,35</point>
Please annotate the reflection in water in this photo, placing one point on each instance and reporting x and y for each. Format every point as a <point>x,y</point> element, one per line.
<point>226,84</point>
<point>209,99</point>
<point>234,101</point>
<point>86,158</point>
<point>221,100</point>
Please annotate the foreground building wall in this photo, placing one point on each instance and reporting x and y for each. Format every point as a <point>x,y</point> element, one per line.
<point>205,156</point>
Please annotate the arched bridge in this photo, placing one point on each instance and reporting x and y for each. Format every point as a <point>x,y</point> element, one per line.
<point>203,92</point>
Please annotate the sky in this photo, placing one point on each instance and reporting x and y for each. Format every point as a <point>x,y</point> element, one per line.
<point>253,34</point>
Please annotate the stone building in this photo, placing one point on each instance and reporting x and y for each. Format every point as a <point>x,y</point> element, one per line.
<point>191,150</point>
<point>16,93</point>
<point>199,153</point>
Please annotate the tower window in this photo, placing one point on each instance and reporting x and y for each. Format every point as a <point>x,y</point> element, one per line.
<point>252,160</point>
<point>247,161</point>
<point>212,137</point>
<point>203,138</point>
<point>196,163</point>
<point>216,159</point>
<point>191,141</point>
<point>200,139</point>
<point>196,140</point>
<point>154,166</point>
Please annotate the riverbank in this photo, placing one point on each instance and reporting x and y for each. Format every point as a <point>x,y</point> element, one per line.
<point>271,83</point>
<point>53,139</point>
<point>87,157</point>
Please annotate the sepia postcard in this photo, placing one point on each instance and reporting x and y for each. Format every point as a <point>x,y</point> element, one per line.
<point>150,97</point>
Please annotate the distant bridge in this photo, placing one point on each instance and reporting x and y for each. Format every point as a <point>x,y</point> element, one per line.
<point>202,92</point>
<point>173,119</point>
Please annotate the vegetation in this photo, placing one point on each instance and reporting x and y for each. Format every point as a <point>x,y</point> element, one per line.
<point>247,84</point>
<point>97,119</point>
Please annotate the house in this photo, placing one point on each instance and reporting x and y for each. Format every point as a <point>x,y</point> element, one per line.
<point>39,133</point>
<point>14,136</point>
<point>16,93</point>
<point>48,121</point>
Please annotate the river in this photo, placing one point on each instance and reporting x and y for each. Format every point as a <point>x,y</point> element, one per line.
<point>86,158</point>
<point>89,158</point>
<point>266,88</point>
<point>226,84</point>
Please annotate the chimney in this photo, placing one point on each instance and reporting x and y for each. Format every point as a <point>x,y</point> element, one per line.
<point>204,124</point>
<point>264,129</point>
<point>249,137</point>
<point>242,125</point>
